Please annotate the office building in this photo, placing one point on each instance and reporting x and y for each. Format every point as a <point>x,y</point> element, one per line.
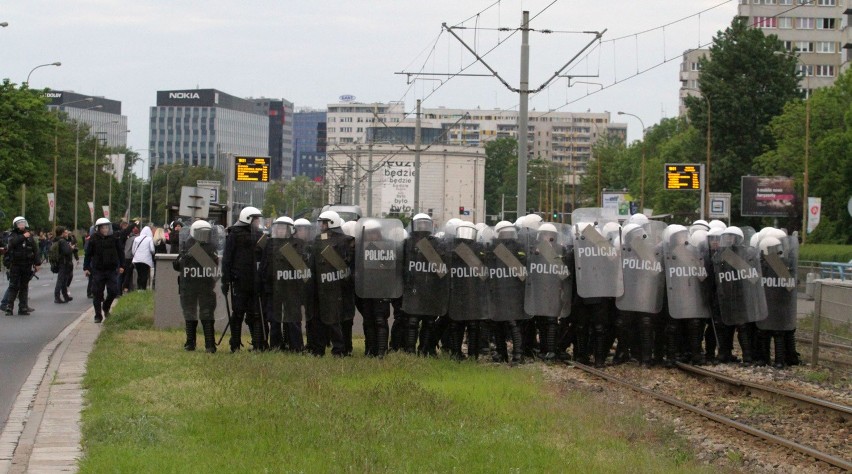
<point>309,143</point>
<point>101,115</point>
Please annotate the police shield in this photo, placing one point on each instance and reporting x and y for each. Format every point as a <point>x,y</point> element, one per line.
<point>642,265</point>
<point>199,271</point>
<point>468,281</point>
<point>548,287</point>
<point>739,286</point>
<point>331,254</point>
<point>378,258</point>
<point>426,275</point>
<point>505,258</point>
<point>288,280</point>
<point>779,265</point>
<point>687,282</point>
<point>597,261</point>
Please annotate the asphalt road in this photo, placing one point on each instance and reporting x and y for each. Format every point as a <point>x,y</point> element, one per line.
<point>23,337</point>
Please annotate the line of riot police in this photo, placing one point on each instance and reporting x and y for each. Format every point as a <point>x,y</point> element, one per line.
<point>510,293</point>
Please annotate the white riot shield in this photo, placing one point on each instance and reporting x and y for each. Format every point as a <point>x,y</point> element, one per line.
<point>426,275</point>
<point>739,286</point>
<point>642,265</point>
<point>507,271</point>
<point>548,290</point>
<point>686,273</point>
<point>597,261</point>
<point>779,283</point>
<point>290,278</point>
<point>198,266</point>
<point>468,287</point>
<point>378,258</point>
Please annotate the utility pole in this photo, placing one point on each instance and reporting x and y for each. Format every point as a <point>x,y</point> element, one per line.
<point>417,140</point>
<point>524,91</point>
<point>523,113</point>
<point>356,186</point>
<point>370,179</point>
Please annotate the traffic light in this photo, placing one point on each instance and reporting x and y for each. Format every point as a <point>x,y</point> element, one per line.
<point>555,215</point>
<point>461,210</point>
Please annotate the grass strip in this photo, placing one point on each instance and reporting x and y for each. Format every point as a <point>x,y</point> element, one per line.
<point>152,407</point>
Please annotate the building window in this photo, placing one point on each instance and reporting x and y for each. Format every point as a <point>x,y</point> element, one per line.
<point>825,23</point>
<point>765,22</point>
<point>827,3</point>
<point>788,45</point>
<point>785,2</point>
<point>694,66</point>
<point>804,46</point>
<point>806,70</point>
<point>824,70</point>
<point>826,47</point>
<point>785,23</point>
<point>805,23</point>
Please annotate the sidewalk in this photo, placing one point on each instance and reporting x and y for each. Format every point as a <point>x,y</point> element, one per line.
<point>43,430</point>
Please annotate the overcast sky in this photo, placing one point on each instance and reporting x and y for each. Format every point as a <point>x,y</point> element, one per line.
<point>312,52</point>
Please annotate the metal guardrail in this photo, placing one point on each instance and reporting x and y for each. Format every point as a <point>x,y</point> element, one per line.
<point>835,270</point>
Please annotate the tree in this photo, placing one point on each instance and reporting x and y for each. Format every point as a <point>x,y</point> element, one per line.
<point>287,198</point>
<point>501,174</point>
<point>746,80</point>
<point>830,158</point>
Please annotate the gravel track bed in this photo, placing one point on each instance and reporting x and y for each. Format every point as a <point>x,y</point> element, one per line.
<point>713,443</point>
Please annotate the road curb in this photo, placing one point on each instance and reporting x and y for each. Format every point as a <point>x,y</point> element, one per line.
<point>18,438</point>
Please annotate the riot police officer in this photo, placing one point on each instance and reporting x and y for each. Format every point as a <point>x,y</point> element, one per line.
<point>198,269</point>
<point>506,259</point>
<point>24,261</point>
<point>104,262</point>
<point>332,257</point>
<point>239,267</point>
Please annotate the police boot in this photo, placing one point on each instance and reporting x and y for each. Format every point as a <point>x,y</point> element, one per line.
<point>622,349</point>
<point>276,336</point>
<point>427,337</point>
<point>486,331</point>
<point>726,344</point>
<point>398,332</point>
<point>381,336</point>
<point>549,342</point>
<point>473,341</point>
<point>646,340</point>
<point>456,335</point>
<point>581,345</point>
<point>564,338</point>
<point>792,357</point>
<point>671,343</point>
<point>601,349</point>
<point>744,339</point>
<point>207,326</point>
<point>761,350</point>
<point>371,348</point>
<point>530,343</point>
<point>236,333</point>
<point>411,326</point>
<point>696,335</point>
<point>501,350</point>
<point>710,343</point>
<point>780,349</point>
<point>191,327</point>
<point>517,342</point>
<point>258,343</point>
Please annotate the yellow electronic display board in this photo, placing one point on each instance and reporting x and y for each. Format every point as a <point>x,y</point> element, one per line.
<point>251,168</point>
<point>680,176</point>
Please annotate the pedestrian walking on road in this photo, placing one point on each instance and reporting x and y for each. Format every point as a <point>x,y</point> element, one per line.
<point>23,260</point>
<point>104,262</point>
<point>64,266</point>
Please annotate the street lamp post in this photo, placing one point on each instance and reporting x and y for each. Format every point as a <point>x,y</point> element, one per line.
<point>95,166</point>
<point>77,165</point>
<point>166,201</point>
<point>57,63</point>
<point>706,210</point>
<point>642,183</point>
<point>56,164</point>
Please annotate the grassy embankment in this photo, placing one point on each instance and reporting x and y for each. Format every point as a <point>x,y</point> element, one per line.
<point>154,408</point>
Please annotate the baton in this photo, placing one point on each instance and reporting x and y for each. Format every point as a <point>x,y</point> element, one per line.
<point>262,318</point>
<point>228,308</point>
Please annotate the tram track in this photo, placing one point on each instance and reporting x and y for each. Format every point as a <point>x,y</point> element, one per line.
<point>833,459</point>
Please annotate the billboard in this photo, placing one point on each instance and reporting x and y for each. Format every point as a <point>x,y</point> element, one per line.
<point>251,168</point>
<point>683,176</point>
<point>767,196</point>
<point>397,187</point>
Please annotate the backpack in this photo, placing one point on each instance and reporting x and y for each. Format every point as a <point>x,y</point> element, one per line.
<point>53,257</point>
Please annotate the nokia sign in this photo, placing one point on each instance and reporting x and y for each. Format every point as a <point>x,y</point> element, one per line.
<point>184,95</point>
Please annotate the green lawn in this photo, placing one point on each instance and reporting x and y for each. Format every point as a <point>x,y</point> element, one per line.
<point>152,407</point>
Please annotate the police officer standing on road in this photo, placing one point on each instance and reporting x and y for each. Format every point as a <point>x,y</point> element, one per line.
<point>64,265</point>
<point>104,261</point>
<point>198,269</point>
<point>239,266</point>
<point>332,257</point>
<point>23,262</point>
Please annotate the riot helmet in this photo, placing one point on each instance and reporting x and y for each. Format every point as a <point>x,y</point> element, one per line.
<point>530,221</point>
<point>716,224</point>
<point>422,223</point>
<point>637,218</point>
<point>331,219</point>
<point>248,215</point>
<point>506,231</point>
<point>771,244</point>
<point>20,222</point>
<point>103,226</point>
<point>201,230</point>
<point>304,229</point>
<point>547,233</point>
<point>466,230</point>
<point>282,228</point>
<point>372,230</point>
<point>732,236</point>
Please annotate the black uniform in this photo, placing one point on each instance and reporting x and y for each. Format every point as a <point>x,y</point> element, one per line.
<point>22,255</point>
<point>332,272</point>
<point>104,257</point>
<point>239,267</point>
<point>66,267</point>
<point>197,283</point>
<point>287,288</point>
